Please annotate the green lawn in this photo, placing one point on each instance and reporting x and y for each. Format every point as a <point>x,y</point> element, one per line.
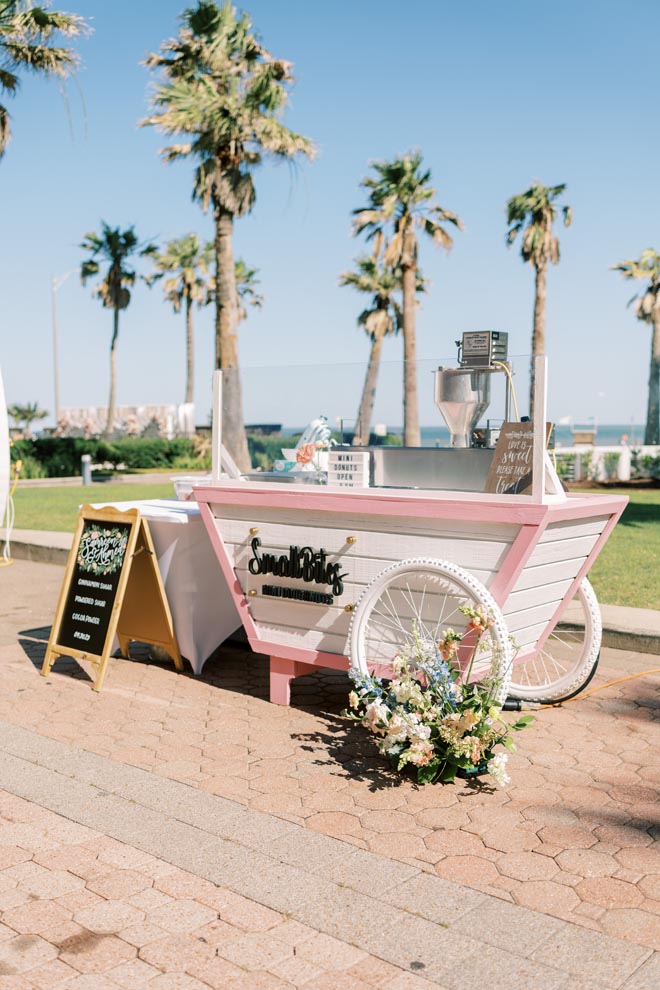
<point>57,508</point>
<point>628,570</point>
<point>626,573</point>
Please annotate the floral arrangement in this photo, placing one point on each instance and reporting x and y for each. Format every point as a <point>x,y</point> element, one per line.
<point>101,549</point>
<point>430,716</point>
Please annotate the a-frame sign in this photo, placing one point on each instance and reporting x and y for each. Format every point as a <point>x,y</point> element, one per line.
<point>111,585</point>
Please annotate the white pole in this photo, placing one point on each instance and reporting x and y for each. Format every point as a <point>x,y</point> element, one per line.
<point>56,284</point>
<point>56,377</point>
<point>540,419</point>
<point>216,430</point>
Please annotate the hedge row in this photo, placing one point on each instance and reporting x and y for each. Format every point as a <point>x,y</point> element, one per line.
<point>59,457</point>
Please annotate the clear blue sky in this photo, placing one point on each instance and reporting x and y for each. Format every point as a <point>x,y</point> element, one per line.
<point>494,94</point>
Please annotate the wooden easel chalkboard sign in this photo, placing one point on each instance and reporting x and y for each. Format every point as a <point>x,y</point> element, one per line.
<point>111,585</point>
<point>510,471</point>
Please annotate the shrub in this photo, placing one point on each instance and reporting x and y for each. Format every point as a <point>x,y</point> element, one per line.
<point>611,463</point>
<point>565,466</point>
<point>586,465</point>
<point>30,467</point>
<point>59,457</point>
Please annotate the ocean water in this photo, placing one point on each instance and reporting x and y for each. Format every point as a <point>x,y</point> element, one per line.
<point>607,435</point>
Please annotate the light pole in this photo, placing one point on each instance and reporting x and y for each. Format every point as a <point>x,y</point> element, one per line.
<point>57,281</point>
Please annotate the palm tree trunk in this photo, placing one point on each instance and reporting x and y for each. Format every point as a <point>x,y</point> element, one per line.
<point>113,374</point>
<point>365,412</point>
<point>190,357</point>
<point>538,331</point>
<point>652,431</point>
<point>226,340</point>
<point>411,436</point>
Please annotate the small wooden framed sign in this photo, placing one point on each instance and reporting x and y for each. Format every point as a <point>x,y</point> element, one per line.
<point>510,471</point>
<point>111,585</point>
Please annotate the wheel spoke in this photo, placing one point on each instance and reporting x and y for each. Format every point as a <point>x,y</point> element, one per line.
<point>420,598</point>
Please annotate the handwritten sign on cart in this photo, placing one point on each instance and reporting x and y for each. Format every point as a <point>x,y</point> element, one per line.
<point>510,470</point>
<point>112,586</point>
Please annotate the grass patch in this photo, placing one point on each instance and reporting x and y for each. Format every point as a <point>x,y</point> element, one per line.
<point>626,572</point>
<point>56,508</point>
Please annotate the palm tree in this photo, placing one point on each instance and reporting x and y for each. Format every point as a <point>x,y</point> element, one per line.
<point>185,264</point>
<point>647,309</point>
<point>382,317</point>
<point>532,213</point>
<point>400,204</point>
<point>224,94</point>
<point>27,34</point>
<point>26,414</point>
<point>246,292</point>
<point>114,247</point>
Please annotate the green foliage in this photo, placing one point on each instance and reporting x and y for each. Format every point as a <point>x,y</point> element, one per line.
<point>611,463</point>
<point>532,213</point>
<point>626,572</point>
<point>644,465</point>
<point>264,451</point>
<point>565,466</point>
<point>651,466</point>
<point>30,467</point>
<point>113,247</point>
<point>586,465</point>
<point>56,508</point>
<point>26,414</point>
<point>224,94</point>
<point>29,40</point>
<point>59,457</point>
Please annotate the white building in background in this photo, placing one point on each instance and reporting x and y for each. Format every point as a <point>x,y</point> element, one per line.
<point>132,421</point>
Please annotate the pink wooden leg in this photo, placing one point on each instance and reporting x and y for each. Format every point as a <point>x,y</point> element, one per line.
<point>282,672</point>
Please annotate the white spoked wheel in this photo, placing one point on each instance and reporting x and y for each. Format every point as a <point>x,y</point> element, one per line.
<point>422,598</point>
<point>568,659</point>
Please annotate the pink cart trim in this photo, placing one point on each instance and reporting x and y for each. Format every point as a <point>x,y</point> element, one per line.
<point>582,573</point>
<point>514,562</point>
<point>288,662</point>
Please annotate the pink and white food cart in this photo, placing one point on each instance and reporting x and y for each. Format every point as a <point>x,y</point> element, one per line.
<point>332,576</point>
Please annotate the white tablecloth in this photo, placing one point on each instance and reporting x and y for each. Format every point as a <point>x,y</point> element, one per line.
<point>202,607</point>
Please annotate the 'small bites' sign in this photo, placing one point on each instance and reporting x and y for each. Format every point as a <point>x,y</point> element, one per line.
<point>303,564</point>
<point>111,585</point>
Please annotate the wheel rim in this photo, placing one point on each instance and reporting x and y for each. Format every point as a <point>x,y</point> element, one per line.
<point>422,598</point>
<point>569,656</point>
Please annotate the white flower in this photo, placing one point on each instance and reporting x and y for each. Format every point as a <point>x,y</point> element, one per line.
<point>401,691</point>
<point>397,729</point>
<point>420,753</point>
<point>376,712</point>
<point>353,699</point>
<point>497,769</point>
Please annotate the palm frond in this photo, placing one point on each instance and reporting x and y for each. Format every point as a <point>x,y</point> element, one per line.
<point>224,94</point>
<point>400,198</point>
<point>533,213</point>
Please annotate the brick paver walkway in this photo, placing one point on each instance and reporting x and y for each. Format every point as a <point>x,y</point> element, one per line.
<point>574,837</point>
<point>83,911</point>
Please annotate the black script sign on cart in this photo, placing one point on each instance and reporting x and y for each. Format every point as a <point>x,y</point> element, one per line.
<point>112,586</point>
<point>300,563</point>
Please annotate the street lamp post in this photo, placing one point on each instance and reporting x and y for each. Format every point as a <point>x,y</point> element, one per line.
<point>56,283</point>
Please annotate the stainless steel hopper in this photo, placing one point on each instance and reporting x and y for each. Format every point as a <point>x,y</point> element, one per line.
<point>462,395</point>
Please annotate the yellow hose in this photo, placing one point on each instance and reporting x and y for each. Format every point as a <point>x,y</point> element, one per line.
<point>601,687</point>
<point>6,560</point>
<point>505,367</point>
